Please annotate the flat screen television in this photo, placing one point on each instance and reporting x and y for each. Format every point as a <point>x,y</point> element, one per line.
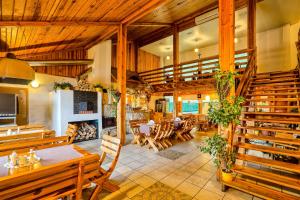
<point>7,104</point>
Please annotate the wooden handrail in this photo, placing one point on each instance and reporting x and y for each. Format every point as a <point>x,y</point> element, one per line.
<point>248,73</point>
<point>148,73</point>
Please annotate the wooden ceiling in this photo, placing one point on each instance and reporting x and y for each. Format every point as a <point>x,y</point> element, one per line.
<point>35,26</point>
<point>23,38</point>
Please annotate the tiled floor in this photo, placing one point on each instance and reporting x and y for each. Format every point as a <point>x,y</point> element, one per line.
<point>143,174</point>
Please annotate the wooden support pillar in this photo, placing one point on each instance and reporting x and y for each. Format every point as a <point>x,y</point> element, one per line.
<point>226,46</point>
<point>252,24</point>
<point>226,35</point>
<point>175,67</point>
<point>121,82</point>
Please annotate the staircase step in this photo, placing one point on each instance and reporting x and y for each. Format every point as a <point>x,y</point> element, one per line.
<point>274,84</point>
<point>274,129</point>
<point>275,81</point>
<point>270,138</point>
<point>273,113</point>
<point>270,163</point>
<point>275,106</point>
<point>273,99</point>
<point>275,94</point>
<point>268,176</point>
<point>281,121</point>
<point>268,149</point>
<point>274,76</point>
<point>258,190</point>
<point>277,72</point>
<point>275,89</point>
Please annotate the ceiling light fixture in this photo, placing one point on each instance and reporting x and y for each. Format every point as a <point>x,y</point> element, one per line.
<point>35,84</point>
<point>196,50</point>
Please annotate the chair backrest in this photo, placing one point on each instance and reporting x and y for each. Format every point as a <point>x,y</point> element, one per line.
<point>23,137</point>
<point>9,147</point>
<point>111,146</point>
<point>71,132</point>
<point>51,182</point>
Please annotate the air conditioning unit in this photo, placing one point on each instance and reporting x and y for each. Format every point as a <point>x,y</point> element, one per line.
<point>214,14</point>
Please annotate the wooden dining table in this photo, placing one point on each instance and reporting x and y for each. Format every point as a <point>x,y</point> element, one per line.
<point>48,157</point>
<point>58,158</point>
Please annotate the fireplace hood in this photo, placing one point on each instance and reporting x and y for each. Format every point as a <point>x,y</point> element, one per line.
<point>15,71</point>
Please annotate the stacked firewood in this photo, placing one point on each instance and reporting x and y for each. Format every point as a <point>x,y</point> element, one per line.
<point>86,132</point>
<point>84,85</point>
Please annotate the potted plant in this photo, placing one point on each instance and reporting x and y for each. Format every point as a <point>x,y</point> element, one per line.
<point>98,87</point>
<point>222,156</point>
<point>62,86</point>
<point>56,86</point>
<point>66,86</point>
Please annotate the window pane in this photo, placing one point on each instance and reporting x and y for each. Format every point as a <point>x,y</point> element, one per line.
<point>190,106</point>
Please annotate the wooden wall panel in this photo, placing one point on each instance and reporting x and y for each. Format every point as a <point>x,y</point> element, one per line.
<point>61,70</point>
<point>146,61</point>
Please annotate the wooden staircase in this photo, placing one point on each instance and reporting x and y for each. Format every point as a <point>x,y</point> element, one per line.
<point>268,140</point>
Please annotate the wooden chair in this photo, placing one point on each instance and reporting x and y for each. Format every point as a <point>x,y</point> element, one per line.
<point>51,182</point>
<point>153,138</point>
<point>183,133</point>
<point>8,147</point>
<point>111,146</point>
<point>167,130</point>
<point>138,138</point>
<point>23,137</point>
<point>71,132</point>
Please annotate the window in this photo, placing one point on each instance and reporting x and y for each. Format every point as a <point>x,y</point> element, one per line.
<point>170,104</point>
<point>190,106</point>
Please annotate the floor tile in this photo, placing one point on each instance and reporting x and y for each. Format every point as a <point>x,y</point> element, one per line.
<point>188,188</point>
<point>145,181</point>
<point>208,195</point>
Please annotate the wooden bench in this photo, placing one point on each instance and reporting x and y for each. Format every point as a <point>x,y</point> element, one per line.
<point>10,146</point>
<point>51,182</point>
<point>25,127</point>
<point>23,137</point>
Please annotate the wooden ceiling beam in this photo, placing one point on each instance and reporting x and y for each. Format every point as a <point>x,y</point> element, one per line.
<point>101,38</point>
<point>143,11</point>
<point>33,55</point>
<point>38,63</point>
<point>56,23</point>
<point>74,23</point>
<point>150,24</point>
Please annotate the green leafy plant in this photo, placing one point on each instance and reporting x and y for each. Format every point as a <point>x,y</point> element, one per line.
<point>216,146</point>
<point>227,109</point>
<point>66,85</point>
<point>116,95</point>
<point>63,86</point>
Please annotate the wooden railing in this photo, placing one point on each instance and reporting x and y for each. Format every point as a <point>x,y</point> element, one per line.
<point>193,70</point>
<point>248,73</point>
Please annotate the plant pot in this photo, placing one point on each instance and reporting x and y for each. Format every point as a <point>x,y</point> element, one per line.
<point>67,88</point>
<point>227,176</point>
